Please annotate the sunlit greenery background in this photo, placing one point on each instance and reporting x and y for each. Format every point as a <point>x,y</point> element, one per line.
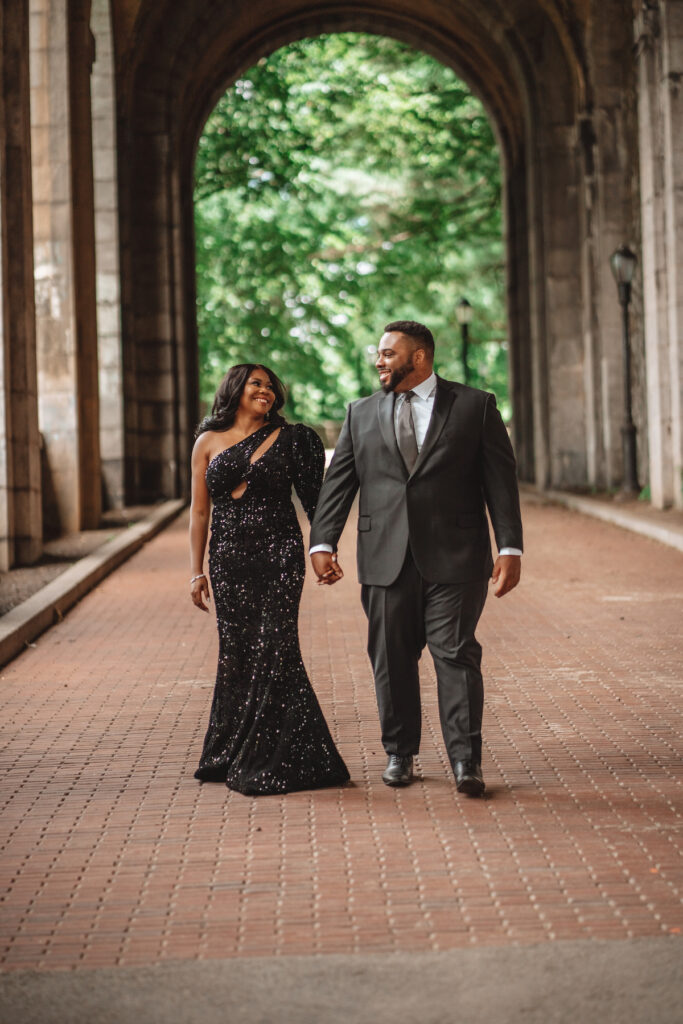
<point>343,182</point>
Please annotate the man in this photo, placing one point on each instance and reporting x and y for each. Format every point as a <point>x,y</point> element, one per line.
<point>428,456</point>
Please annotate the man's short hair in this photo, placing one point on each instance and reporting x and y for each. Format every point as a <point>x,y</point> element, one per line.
<point>421,334</point>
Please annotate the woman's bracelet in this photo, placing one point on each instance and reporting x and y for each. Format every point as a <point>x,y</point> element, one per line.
<point>199,576</point>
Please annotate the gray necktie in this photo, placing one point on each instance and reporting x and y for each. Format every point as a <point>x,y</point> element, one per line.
<point>405,432</point>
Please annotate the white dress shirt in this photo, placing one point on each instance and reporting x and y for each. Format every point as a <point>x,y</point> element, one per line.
<point>422,405</point>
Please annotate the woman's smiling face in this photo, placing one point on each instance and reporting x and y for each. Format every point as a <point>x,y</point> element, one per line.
<point>258,395</point>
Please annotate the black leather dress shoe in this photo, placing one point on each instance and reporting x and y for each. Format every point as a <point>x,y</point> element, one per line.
<point>468,778</point>
<point>399,770</point>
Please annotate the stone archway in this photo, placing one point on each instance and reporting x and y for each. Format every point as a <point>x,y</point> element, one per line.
<point>525,62</point>
<point>589,127</point>
<point>554,79</point>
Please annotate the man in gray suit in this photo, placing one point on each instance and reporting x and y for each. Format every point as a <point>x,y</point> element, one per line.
<point>428,456</point>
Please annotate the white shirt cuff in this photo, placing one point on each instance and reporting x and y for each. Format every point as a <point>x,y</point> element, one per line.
<point>330,549</point>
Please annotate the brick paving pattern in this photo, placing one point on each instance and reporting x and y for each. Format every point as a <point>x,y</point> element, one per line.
<point>113,854</point>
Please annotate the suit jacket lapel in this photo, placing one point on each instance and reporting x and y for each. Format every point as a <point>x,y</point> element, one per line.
<point>443,400</point>
<point>385,410</point>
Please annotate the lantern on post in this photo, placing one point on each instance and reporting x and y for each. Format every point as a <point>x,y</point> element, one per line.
<point>623,264</point>
<point>464,314</point>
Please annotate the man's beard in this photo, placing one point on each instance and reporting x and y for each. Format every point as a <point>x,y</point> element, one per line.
<point>397,376</point>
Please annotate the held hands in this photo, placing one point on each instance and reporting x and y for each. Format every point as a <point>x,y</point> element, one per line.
<point>326,567</point>
<point>506,573</point>
<point>199,592</point>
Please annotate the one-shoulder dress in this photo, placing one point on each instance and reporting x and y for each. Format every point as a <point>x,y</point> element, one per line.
<point>267,733</point>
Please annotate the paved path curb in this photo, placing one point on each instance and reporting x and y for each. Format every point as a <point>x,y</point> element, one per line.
<point>610,514</point>
<point>32,617</point>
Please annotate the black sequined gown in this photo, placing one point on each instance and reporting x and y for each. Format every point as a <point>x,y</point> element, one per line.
<point>266,732</point>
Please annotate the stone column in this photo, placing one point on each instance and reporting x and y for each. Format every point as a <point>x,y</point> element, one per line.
<point>81,59</point>
<point>672,111</point>
<point>537,317</point>
<point>659,48</point>
<point>20,498</point>
<point>564,342</point>
<point>190,340</point>
<point>61,58</point>
<point>107,258</point>
<point>607,145</point>
<point>517,284</point>
<point>153,355</point>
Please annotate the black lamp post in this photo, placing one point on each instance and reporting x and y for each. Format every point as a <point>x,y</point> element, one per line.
<point>623,264</point>
<point>464,313</point>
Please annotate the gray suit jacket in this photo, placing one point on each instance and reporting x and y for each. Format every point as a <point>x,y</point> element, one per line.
<point>466,465</point>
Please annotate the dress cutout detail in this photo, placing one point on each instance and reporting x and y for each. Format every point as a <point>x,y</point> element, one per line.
<point>267,733</point>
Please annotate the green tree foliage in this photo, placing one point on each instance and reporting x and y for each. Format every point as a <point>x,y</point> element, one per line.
<point>343,182</point>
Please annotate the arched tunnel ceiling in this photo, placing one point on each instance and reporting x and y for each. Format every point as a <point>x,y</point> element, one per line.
<point>174,60</point>
<point>132,18</point>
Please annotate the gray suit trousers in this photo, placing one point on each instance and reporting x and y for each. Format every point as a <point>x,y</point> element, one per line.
<point>402,618</point>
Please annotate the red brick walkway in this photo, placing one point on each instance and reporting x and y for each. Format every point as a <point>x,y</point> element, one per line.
<point>113,854</point>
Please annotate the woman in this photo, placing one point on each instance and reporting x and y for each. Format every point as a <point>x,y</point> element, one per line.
<point>266,732</point>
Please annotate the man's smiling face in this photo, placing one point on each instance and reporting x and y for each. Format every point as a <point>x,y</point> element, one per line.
<point>395,361</point>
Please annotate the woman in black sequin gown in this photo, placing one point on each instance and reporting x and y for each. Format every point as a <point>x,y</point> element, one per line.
<point>266,733</point>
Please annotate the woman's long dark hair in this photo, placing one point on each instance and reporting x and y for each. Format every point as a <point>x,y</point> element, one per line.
<point>227,399</point>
